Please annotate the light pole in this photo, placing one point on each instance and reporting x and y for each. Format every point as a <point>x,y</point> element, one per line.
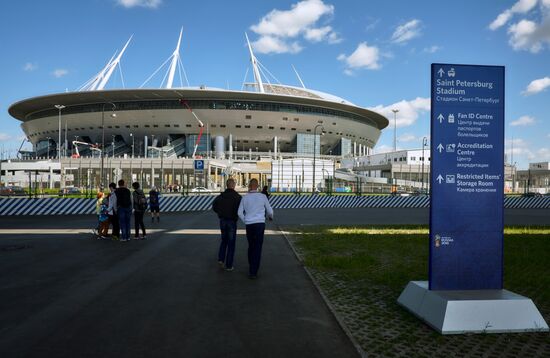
<point>59,108</point>
<point>424,143</point>
<point>113,145</point>
<point>48,138</point>
<point>113,115</point>
<point>132,136</point>
<point>315,151</point>
<point>395,129</point>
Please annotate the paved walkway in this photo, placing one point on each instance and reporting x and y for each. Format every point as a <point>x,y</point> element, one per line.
<point>64,295</point>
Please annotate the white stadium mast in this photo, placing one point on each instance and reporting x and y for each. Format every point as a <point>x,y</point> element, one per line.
<point>174,64</point>
<point>99,81</point>
<point>255,68</point>
<point>112,66</point>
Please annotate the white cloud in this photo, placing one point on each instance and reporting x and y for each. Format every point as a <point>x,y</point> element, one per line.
<point>517,148</point>
<point>317,34</point>
<point>526,34</point>
<point>407,137</point>
<point>279,26</point>
<point>432,49</point>
<point>523,121</point>
<point>364,56</point>
<point>60,72</point>
<point>537,85</point>
<point>141,3</point>
<point>520,7</point>
<point>29,66</point>
<point>407,31</point>
<point>383,148</point>
<point>271,44</point>
<point>409,111</point>
<point>4,137</point>
<point>543,155</point>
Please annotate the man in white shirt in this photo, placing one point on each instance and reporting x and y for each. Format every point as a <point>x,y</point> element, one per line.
<point>253,209</point>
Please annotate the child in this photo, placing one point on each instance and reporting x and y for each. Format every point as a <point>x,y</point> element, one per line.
<point>104,219</point>
<point>98,203</point>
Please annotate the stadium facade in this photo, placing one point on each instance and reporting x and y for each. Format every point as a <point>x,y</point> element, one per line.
<point>187,121</point>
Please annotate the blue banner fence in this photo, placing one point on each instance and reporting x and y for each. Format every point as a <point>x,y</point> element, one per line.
<point>70,206</point>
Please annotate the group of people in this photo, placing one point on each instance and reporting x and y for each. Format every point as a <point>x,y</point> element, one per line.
<point>115,209</point>
<point>252,209</point>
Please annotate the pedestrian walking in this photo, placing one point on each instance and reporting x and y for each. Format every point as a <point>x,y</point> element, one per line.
<point>124,209</point>
<point>226,205</point>
<point>112,211</point>
<point>139,202</point>
<point>154,204</point>
<point>253,209</point>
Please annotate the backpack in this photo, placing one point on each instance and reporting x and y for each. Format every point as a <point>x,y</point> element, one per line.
<point>141,201</point>
<point>153,198</point>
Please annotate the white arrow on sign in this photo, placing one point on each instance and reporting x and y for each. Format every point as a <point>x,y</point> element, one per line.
<point>441,72</point>
<point>439,178</point>
<point>441,118</point>
<point>440,147</point>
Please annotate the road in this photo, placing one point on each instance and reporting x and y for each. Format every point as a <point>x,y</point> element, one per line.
<point>63,294</point>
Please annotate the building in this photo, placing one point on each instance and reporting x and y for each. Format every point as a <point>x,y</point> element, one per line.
<point>184,121</point>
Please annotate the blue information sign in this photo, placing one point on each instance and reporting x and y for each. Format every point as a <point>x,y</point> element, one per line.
<point>467,177</point>
<point>198,165</point>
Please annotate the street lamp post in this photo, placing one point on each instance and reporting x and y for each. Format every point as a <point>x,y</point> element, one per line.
<point>315,151</point>
<point>132,136</point>
<point>424,143</point>
<point>113,145</point>
<point>395,129</point>
<point>113,115</point>
<point>48,138</point>
<point>59,108</point>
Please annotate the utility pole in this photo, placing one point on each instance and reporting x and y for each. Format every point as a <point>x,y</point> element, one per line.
<point>395,129</point>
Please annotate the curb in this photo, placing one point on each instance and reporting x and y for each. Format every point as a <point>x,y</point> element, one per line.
<point>336,315</point>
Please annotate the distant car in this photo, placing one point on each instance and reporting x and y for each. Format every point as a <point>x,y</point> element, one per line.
<point>200,189</point>
<point>12,190</point>
<point>420,192</point>
<point>69,191</point>
<point>531,194</point>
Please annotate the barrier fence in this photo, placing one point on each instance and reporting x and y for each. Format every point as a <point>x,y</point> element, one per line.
<point>74,206</point>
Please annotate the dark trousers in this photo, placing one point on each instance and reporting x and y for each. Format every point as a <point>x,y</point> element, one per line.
<point>228,228</point>
<point>138,222</point>
<point>124,218</point>
<point>113,219</point>
<point>255,236</point>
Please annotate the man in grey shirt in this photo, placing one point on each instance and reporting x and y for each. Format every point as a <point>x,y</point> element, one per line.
<point>253,209</point>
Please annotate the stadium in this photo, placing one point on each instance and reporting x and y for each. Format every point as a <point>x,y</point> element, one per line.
<point>188,121</point>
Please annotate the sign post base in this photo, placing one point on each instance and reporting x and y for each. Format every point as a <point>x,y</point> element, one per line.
<point>472,311</point>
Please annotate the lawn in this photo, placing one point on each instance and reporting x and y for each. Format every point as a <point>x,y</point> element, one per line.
<point>362,271</point>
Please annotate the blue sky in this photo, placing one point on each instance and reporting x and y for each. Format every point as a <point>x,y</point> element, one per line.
<point>376,54</point>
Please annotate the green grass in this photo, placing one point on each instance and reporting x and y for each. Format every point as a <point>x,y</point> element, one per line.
<point>362,271</point>
<point>392,256</point>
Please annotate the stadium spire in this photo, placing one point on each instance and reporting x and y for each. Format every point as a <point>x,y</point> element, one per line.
<point>255,67</point>
<point>174,64</point>
<point>112,65</point>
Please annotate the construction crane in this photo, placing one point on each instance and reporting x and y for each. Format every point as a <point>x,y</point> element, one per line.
<point>77,153</point>
<point>201,126</point>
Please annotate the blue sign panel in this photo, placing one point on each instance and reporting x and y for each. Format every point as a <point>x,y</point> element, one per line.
<point>199,165</point>
<point>467,177</point>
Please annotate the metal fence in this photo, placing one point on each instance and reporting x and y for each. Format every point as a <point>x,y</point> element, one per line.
<point>70,206</point>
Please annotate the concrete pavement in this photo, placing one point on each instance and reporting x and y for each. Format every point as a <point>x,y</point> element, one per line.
<point>65,295</point>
